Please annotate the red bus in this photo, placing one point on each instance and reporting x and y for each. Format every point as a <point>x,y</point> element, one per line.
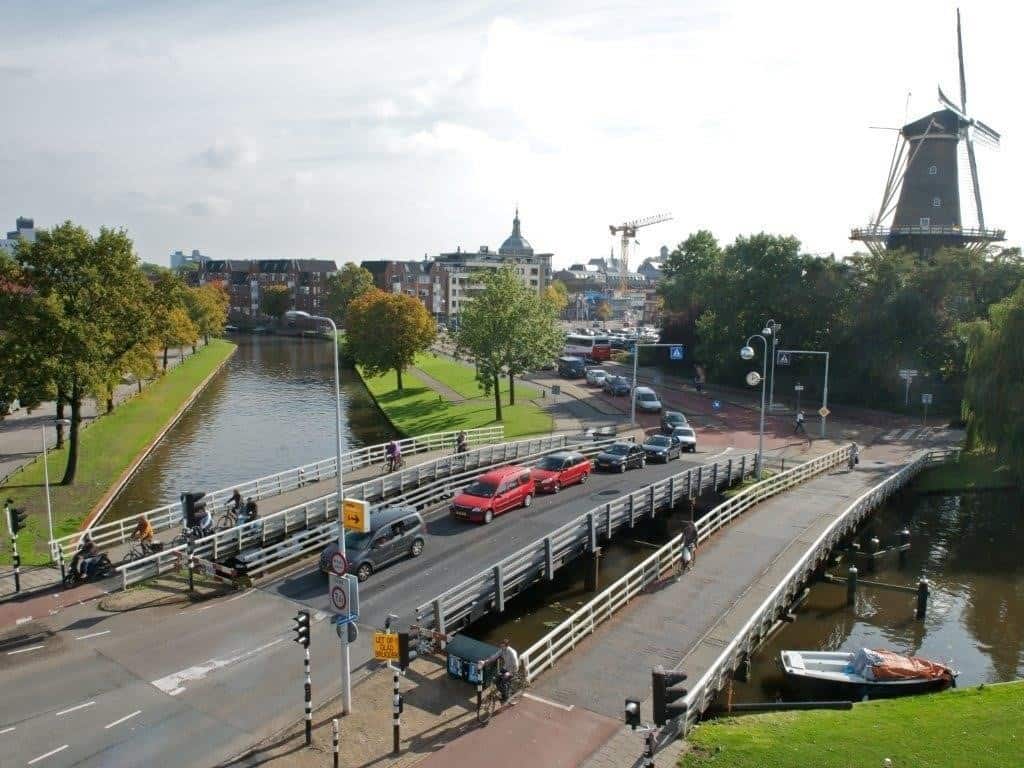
<point>590,347</point>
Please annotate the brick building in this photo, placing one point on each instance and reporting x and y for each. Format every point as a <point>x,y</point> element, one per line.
<point>426,280</point>
<point>245,281</point>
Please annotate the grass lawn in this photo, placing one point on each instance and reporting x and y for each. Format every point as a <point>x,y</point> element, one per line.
<point>974,472</point>
<point>419,410</point>
<point>976,727</point>
<point>107,447</point>
<point>462,378</point>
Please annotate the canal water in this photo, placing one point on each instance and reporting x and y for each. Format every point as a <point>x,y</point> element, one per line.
<point>269,409</point>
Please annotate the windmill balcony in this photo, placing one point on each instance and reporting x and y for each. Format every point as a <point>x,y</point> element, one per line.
<point>970,235</point>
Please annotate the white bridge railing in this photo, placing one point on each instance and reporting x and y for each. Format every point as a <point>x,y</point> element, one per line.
<point>170,515</point>
<point>564,638</point>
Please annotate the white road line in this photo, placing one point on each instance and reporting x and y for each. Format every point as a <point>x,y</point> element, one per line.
<point>76,707</point>
<point>48,754</point>
<point>173,684</point>
<point>891,435</point>
<point>908,433</point>
<point>22,620</point>
<point>550,703</point>
<point>239,597</point>
<point>204,608</point>
<point>126,717</point>
<point>6,730</point>
<point>94,634</point>
<point>25,650</point>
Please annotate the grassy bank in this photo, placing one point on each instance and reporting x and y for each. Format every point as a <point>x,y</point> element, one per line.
<point>977,727</point>
<point>418,409</point>
<point>462,378</point>
<point>108,446</point>
<point>973,472</point>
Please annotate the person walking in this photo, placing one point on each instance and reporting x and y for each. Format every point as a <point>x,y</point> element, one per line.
<point>798,429</point>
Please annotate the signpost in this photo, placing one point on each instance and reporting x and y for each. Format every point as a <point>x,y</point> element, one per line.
<point>355,515</point>
<point>675,352</point>
<point>385,646</point>
<point>908,375</point>
<point>798,389</point>
<point>716,405</point>
<point>926,400</point>
<point>785,356</point>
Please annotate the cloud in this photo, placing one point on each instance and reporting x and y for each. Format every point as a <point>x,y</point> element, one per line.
<point>209,205</point>
<point>225,155</point>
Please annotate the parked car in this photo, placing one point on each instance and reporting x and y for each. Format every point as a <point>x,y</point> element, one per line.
<point>571,367</point>
<point>687,438</point>
<point>647,400</point>
<point>494,493</point>
<point>662,448</point>
<point>557,470</point>
<point>619,457</point>
<point>596,376</point>
<point>616,385</point>
<point>672,419</point>
<point>395,533</point>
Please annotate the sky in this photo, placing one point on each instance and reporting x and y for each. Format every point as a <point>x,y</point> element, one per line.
<point>390,130</point>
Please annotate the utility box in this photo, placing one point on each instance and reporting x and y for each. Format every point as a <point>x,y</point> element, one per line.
<point>463,655</point>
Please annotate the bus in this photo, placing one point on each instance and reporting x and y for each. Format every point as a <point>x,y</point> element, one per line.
<point>589,347</point>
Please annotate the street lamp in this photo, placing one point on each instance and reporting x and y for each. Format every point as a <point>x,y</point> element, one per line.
<point>346,675</point>
<point>753,378</point>
<point>46,481</point>
<point>772,328</point>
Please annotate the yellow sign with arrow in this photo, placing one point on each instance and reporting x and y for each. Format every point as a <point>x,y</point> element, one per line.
<point>355,515</point>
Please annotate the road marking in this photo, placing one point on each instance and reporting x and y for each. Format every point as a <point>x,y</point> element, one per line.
<point>204,608</point>
<point>239,597</point>
<point>7,730</point>
<point>891,435</point>
<point>76,707</point>
<point>23,620</point>
<point>94,634</point>
<point>126,717</point>
<point>48,754</point>
<point>173,684</point>
<point>567,708</point>
<point>25,650</point>
<point>908,433</point>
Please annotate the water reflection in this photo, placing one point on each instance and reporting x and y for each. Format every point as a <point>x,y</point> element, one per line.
<point>269,409</point>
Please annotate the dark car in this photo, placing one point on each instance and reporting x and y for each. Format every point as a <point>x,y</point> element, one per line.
<point>618,457</point>
<point>395,533</point>
<point>616,385</point>
<point>672,419</point>
<point>557,470</point>
<point>662,448</point>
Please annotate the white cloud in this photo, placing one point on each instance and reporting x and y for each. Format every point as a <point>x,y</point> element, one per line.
<point>209,205</point>
<point>226,154</point>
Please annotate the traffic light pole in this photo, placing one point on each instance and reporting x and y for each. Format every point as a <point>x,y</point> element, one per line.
<point>396,711</point>
<point>16,559</point>
<point>309,700</point>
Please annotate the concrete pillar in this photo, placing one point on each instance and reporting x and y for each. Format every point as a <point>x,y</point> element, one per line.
<point>851,585</point>
<point>873,547</point>
<point>905,547</point>
<point>922,599</point>
<point>592,573</point>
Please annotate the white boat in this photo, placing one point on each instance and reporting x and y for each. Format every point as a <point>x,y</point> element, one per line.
<point>867,672</point>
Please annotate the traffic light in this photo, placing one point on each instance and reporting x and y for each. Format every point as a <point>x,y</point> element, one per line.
<point>408,646</point>
<point>16,520</point>
<point>668,688</point>
<point>194,505</point>
<point>301,628</point>
<point>633,713</point>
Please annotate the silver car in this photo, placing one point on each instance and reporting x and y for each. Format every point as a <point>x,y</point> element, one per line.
<point>596,376</point>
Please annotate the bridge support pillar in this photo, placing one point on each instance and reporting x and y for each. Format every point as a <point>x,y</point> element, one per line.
<point>922,599</point>
<point>873,549</point>
<point>851,585</point>
<point>592,575</point>
<point>904,547</point>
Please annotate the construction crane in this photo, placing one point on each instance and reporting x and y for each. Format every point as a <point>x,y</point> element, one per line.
<point>628,231</point>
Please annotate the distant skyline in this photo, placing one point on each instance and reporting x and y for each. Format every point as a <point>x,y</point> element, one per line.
<point>288,129</point>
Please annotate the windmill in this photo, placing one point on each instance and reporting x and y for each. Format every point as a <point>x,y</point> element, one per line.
<point>628,231</point>
<point>924,172</point>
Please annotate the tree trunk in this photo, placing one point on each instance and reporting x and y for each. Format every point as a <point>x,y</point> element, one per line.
<point>206,339</point>
<point>398,375</point>
<point>60,415</point>
<point>73,434</point>
<point>139,382</point>
<point>110,403</point>
<point>511,389</point>
<point>497,397</point>
<point>193,349</point>
<point>165,358</point>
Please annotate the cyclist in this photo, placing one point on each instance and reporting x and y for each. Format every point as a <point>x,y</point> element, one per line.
<point>249,511</point>
<point>235,504</point>
<point>854,455</point>
<point>462,442</point>
<point>144,533</point>
<point>508,665</point>
<point>394,454</point>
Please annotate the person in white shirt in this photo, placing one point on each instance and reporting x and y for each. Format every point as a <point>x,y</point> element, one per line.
<point>508,665</point>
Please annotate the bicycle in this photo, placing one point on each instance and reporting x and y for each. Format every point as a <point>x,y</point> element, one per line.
<point>392,465</point>
<point>491,700</point>
<point>228,519</point>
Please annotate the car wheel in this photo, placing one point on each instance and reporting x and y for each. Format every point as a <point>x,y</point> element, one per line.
<point>643,462</point>
<point>622,468</point>
<point>584,477</point>
<point>529,499</point>
<point>488,516</point>
<point>364,572</point>
<point>417,548</point>
<point>556,487</point>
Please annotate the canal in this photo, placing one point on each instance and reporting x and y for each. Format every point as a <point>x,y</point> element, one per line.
<point>269,409</point>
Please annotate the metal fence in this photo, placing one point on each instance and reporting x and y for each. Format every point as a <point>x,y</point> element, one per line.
<point>704,690</point>
<point>170,515</point>
<point>563,638</point>
<point>414,486</point>
<point>490,588</point>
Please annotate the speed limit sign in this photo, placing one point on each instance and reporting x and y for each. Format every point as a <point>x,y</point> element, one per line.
<point>338,564</point>
<point>339,597</point>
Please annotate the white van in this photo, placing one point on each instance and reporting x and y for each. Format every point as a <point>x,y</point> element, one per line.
<point>647,400</point>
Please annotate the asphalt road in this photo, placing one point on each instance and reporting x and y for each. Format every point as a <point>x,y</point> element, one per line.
<point>165,686</point>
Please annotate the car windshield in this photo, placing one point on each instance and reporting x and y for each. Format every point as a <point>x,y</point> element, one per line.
<point>648,396</point>
<point>659,441</point>
<point>551,462</point>
<point>619,449</point>
<point>486,490</point>
<point>683,432</point>
<point>675,418</point>
<point>356,540</point>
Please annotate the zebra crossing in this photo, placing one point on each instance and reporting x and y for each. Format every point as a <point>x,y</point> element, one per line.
<point>916,434</point>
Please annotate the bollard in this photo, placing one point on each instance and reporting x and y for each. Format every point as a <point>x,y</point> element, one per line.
<point>480,693</point>
<point>851,585</point>
<point>191,582</point>
<point>396,712</point>
<point>905,544</point>
<point>649,750</point>
<point>922,598</point>
<point>308,699</point>
<point>592,576</point>
<point>873,546</point>
<point>334,722</point>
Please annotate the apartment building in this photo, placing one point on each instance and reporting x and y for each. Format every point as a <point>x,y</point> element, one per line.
<point>245,280</point>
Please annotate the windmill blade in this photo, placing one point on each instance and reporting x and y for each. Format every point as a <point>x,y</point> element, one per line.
<point>949,104</point>
<point>960,56</point>
<point>986,132</point>
<point>974,182</point>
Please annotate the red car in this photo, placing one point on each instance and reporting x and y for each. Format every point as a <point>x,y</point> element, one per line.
<point>493,493</point>
<point>558,470</point>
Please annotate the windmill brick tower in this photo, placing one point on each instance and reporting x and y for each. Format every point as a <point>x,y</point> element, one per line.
<point>925,185</point>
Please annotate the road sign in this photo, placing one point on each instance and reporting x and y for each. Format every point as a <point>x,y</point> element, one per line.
<point>355,515</point>
<point>675,352</point>
<point>343,592</point>
<point>907,373</point>
<point>753,378</point>
<point>783,359</point>
<point>716,405</point>
<point>926,399</point>
<point>823,411</point>
<point>556,389</point>
<point>339,596</point>
<point>338,564</point>
<point>798,388</point>
<point>385,646</point>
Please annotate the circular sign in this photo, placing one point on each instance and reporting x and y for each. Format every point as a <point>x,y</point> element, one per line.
<point>339,598</point>
<point>338,564</point>
<point>753,378</point>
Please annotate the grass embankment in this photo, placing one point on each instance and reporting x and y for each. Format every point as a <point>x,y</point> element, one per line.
<point>977,727</point>
<point>418,409</point>
<point>108,446</point>
<point>973,472</point>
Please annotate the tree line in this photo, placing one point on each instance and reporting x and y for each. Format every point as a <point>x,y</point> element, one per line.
<point>79,313</point>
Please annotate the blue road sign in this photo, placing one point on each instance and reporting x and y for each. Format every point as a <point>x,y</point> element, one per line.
<point>716,405</point>
<point>783,358</point>
<point>675,352</point>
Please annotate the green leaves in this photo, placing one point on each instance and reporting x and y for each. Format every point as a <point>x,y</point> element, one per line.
<point>387,330</point>
<point>276,300</point>
<point>343,287</point>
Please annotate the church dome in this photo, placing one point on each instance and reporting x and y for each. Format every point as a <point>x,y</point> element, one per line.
<point>515,244</point>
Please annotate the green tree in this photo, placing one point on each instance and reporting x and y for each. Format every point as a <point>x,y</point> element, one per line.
<point>387,330</point>
<point>557,295</point>
<point>277,299</point>
<point>342,287</point>
<point>603,311</point>
<point>539,340</point>
<point>177,331</point>
<point>85,305</point>
<point>208,308</point>
<point>169,294</point>
<point>993,404</point>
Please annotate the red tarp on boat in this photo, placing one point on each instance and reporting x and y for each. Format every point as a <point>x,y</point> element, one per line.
<point>893,666</point>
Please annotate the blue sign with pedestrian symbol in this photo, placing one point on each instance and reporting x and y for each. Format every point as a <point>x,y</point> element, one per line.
<point>675,352</point>
<point>716,405</point>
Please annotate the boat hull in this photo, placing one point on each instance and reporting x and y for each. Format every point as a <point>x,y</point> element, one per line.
<point>803,687</point>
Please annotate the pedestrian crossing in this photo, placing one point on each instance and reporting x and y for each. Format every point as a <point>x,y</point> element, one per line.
<point>916,434</point>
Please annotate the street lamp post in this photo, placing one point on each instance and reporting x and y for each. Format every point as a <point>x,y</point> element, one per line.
<point>747,353</point>
<point>346,674</point>
<point>773,328</point>
<point>46,481</point>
